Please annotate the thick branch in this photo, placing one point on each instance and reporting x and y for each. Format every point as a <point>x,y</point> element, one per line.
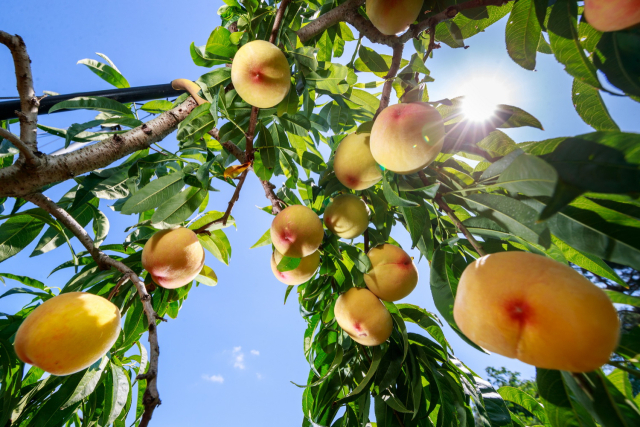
<point>278,20</point>
<point>454,218</point>
<point>327,20</point>
<point>388,84</point>
<point>29,157</point>
<point>151,398</point>
<point>29,103</point>
<point>276,203</point>
<point>15,181</point>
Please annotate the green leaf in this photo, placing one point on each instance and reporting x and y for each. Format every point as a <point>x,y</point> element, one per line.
<point>375,362</point>
<point>518,117</point>
<point>332,80</point>
<point>305,55</point>
<point>217,244</point>
<point>97,103</point>
<point>264,240</point>
<point>24,280</point>
<point>106,72</point>
<point>370,60</point>
<point>617,58</point>
<point>120,389</point>
<point>392,198</point>
<point>561,408</point>
<point>100,226</point>
<point>529,175</point>
<point>214,78</point>
<point>180,206</point>
<point>590,106</point>
<point>154,194</point>
<point>495,407</point>
<point>16,233</point>
<point>220,45</point>
<point>157,106</point>
<point>519,397</point>
<point>620,298</point>
<point>197,123</point>
<point>587,261</point>
<point>565,43</point>
<point>210,217</point>
<point>523,34</point>
<point>207,276</point>
<point>288,263</point>
<point>88,383</point>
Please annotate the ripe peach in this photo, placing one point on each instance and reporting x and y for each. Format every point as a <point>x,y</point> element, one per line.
<point>68,333</point>
<point>405,138</point>
<point>612,15</point>
<point>353,163</point>
<point>297,232</point>
<point>535,309</point>
<point>260,74</point>
<point>347,216</point>
<point>361,314</point>
<point>303,272</point>
<point>393,16</point>
<point>173,257</point>
<point>393,275</point>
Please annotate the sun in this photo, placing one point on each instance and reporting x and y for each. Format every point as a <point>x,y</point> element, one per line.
<point>482,95</point>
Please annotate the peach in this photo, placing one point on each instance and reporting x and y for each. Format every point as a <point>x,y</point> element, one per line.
<point>297,232</point>
<point>405,138</point>
<point>68,333</point>
<point>303,272</point>
<point>361,315</point>
<point>393,275</point>
<point>393,16</point>
<point>612,15</point>
<point>260,74</point>
<point>353,163</point>
<point>173,258</point>
<point>347,216</point>
<point>535,309</point>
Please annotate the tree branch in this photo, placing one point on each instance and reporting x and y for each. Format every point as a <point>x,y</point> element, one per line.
<point>29,103</point>
<point>278,20</point>
<point>388,84</point>
<point>16,181</point>
<point>276,203</point>
<point>29,157</point>
<point>328,19</point>
<point>227,213</point>
<point>229,146</point>
<point>151,398</point>
<point>454,218</point>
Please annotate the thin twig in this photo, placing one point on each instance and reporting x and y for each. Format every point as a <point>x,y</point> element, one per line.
<point>278,20</point>
<point>454,218</point>
<point>227,213</point>
<point>116,288</point>
<point>276,204</point>
<point>388,84</point>
<point>151,398</point>
<point>29,102</point>
<point>29,157</point>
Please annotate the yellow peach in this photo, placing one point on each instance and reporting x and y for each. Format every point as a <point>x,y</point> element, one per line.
<point>393,275</point>
<point>347,216</point>
<point>612,15</point>
<point>173,258</point>
<point>535,309</point>
<point>297,232</point>
<point>303,272</point>
<point>393,16</point>
<point>353,163</point>
<point>260,74</point>
<point>406,138</point>
<point>68,333</point>
<point>361,315</point>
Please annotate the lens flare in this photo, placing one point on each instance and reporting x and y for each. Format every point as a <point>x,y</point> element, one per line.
<point>481,97</point>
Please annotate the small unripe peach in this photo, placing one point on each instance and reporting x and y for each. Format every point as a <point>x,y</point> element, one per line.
<point>361,315</point>
<point>346,216</point>
<point>406,138</point>
<point>393,275</point>
<point>303,272</point>
<point>353,163</point>
<point>612,15</point>
<point>173,258</point>
<point>535,309</point>
<point>297,232</point>
<point>260,74</point>
<point>68,333</point>
<point>393,16</point>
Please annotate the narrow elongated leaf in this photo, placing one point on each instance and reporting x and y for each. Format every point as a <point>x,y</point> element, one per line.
<point>119,392</point>
<point>264,240</point>
<point>519,397</point>
<point>106,72</point>
<point>180,206</point>
<point>590,106</point>
<point>375,362</point>
<point>207,276</point>
<point>523,34</point>
<point>154,194</point>
<point>561,408</point>
<point>97,103</point>
<point>88,383</point>
<point>16,233</point>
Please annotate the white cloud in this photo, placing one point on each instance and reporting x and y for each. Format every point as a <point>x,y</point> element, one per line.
<point>214,378</point>
<point>259,375</point>
<point>238,358</point>
<point>255,352</point>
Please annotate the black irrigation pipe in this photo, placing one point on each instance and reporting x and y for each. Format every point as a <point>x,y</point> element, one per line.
<point>131,94</point>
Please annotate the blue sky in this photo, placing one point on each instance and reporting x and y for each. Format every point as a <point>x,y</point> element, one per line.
<point>230,356</point>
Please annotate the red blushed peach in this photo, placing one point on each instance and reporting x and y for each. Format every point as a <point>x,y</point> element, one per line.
<point>361,315</point>
<point>393,275</point>
<point>406,138</point>
<point>393,16</point>
<point>297,232</point>
<point>303,272</point>
<point>260,74</point>
<point>612,15</point>
<point>173,258</point>
<point>535,309</point>
<point>353,163</point>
